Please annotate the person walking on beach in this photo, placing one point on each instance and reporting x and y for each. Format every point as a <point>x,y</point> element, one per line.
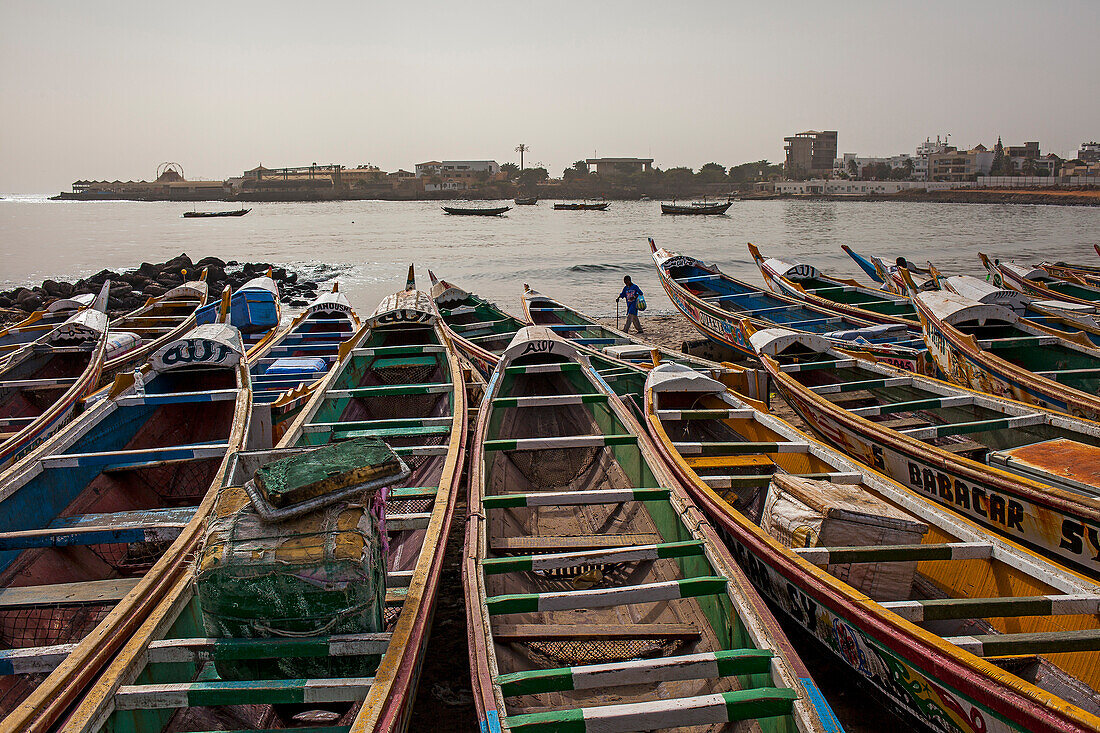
<point>631,293</point>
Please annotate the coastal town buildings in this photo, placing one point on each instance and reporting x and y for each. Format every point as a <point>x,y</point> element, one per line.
<point>1089,152</point>
<point>810,153</point>
<point>960,165</point>
<point>456,175</point>
<point>169,185</point>
<point>619,166</point>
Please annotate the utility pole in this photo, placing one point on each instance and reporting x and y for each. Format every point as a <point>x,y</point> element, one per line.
<point>521,149</point>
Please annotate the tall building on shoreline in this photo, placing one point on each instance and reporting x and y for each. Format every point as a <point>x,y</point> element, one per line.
<point>810,153</point>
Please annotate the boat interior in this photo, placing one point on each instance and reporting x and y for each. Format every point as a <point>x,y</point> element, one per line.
<point>79,533</point>
<point>480,322</point>
<point>571,503</point>
<point>1048,356</point>
<point>955,596</point>
<point>969,425</point>
<point>31,384</point>
<point>877,301</point>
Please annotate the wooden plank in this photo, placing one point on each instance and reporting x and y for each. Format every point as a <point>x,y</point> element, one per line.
<point>143,525</point>
<point>553,543</point>
<point>569,366</point>
<point>940,609</point>
<point>549,400</point>
<point>391,390</point>
<point>574,498</point>
<point>703,666</point>
<point>677,712</point>
<point>112,460</point>
<point>740,447</point>
<point>325,427</point>
<point>250,692</point>
<point>975,426</point>
<point>913,405</point>
<point>403,522</point>
<point>563,441</point>
<point>605,597</point>
<point>811,366</point>
<point>87,593</point>
<point>718,414</point>
<point>896,553</point>
<point>556,561</point>
<point>1051,642</point>
<point>175,398</point>
<point>861,385</point>
<point>506,633</point>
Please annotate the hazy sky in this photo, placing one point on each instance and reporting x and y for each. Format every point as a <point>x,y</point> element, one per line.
<point>108,90</point>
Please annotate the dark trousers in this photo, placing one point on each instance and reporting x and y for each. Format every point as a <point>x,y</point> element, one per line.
<point>632,318</point>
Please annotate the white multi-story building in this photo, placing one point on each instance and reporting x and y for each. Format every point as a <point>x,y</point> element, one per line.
<point>925,149</point>
<point>843,163</point>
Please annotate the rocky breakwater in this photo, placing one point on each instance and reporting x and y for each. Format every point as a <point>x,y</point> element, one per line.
<point>131,288</point>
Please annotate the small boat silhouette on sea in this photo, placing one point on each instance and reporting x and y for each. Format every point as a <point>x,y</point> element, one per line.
<point>211,214</point>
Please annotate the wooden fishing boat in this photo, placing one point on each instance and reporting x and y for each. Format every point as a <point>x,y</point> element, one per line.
<point>1037,281</point>
<point>698,208</point>
<point>1000,463</point>
<point>1066,318</point>
<point>585,206</point>
<point>99,521</point>
<point>41,322</point>
<point>580,328</point>
<point>952,627</point>
<point>1090,274</point>
<point>403,383</point>
<point>808,284</point>
<point>464,211</point>
<point>286,370</point>
<point>214,214</point>
<point>526,201</point>
<point>255,309</point>
<point>597,599</point>
<point>885,274</point>
<point>42,382</point>
<point>991,349</point>
<point>719,306</point>
<point>163,319</point>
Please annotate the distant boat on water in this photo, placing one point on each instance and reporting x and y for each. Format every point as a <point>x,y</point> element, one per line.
<point>585,206</point>
<point>211,214</point>
<point>460,211</point>
<point>697,207</point>
<point>527,201</point>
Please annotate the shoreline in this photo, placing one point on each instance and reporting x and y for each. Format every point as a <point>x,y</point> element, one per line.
<point>1046,197</point>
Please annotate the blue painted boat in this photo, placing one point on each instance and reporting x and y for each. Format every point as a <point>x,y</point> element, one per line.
<point>719,306</point>
<point>254,309</point>
<point>285,370</point>
<point>96,522</point>
<point>41,322</point>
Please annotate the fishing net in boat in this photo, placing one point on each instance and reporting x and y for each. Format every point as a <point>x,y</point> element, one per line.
<point>178,484</point>
<point>553,467</point>
<point>130,558</point>
<point>16,688</point>
<point>315,575</point>
<point>48,625</point>
<point>409,373</point>
<point>573,652</point>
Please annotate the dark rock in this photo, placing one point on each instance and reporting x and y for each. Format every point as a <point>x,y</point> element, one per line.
<point>29,301</point>
<point>5,301</point>
<point>52,288</point>
<point>170,279</point>
<point>66,289</point>
<point>278,273</point>
<point>120,289</point>
<point>154,289</point>
<point>214,273</point>
<point>292,277</point>
<point>135,279</point>
<point>309,285</point>
<point>178,263</point>
<point>149,270</point>
<point>102,275</point>
<point>297,302</point>
<point>207,261</point>
<point>232,263</point>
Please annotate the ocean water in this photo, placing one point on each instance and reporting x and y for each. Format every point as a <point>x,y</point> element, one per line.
<point>577,256</point>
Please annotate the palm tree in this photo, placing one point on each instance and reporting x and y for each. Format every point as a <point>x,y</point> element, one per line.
<point>853,168</point>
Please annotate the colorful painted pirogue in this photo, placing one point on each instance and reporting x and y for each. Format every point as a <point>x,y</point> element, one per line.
<point>597,597</point>
<point>41,322</point>
<point>163,319</point>
<point>583,330</point>
<point>991,349</point>
<point>1066,318</point>
<point>99,520</point>
<point>286,369</point>
<point>808,284</point>
<point>1030,474</point>
<point>42,381</point>
<point>720,306</point>
<point>402,383</point>
<point>1040,283</point>
<point>952,627</point>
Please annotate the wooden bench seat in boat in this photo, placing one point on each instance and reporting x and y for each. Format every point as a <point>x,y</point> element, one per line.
<point>176,398</point>
<point>592,632</point>
<point>913,405</point>
<point>136,458</point>
<point>667,590</point>
<point>732,481</point>
<point>397,422</point>
<point>562,560</point>
<point>254,692</point>
<point>141,525</point>
<point>555,543</point>
<point>89,592</point>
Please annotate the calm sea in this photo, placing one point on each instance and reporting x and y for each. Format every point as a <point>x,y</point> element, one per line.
<point>579,257</point>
